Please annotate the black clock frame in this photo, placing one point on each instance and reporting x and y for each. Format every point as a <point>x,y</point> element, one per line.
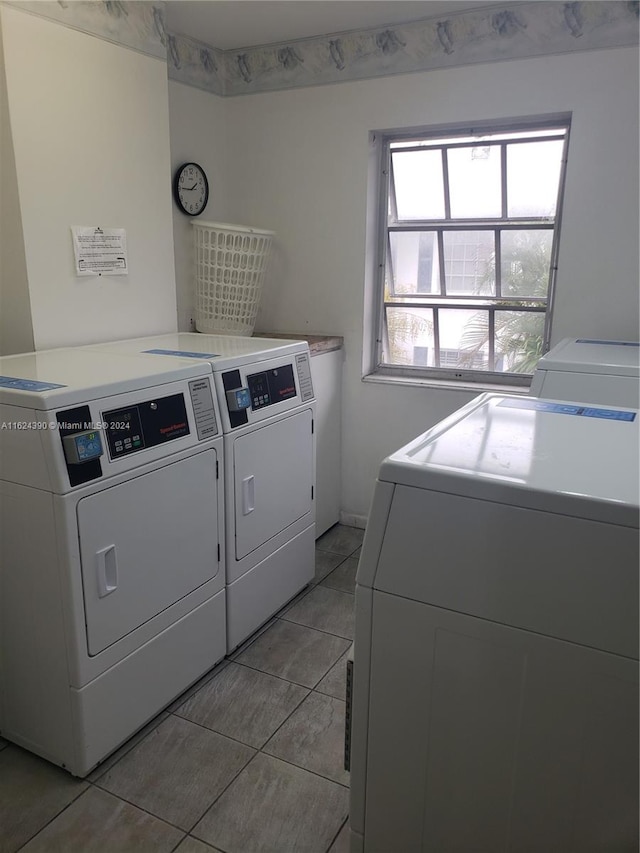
<point>176,196</point>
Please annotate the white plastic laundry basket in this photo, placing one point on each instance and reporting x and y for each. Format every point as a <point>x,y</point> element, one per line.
<point>231,261</point>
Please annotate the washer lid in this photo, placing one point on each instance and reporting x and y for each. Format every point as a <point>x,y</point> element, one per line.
<point>51,379</point>
<point>558,457</point>
<point>587,355</point>
<point>223,351</point>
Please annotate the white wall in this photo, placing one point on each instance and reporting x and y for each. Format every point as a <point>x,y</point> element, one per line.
<point>199,134</point>
<point>90,130</point>
<point>298,164</point>
<point>16,331</point>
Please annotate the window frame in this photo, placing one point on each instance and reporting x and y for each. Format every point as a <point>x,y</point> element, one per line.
<point>387,225</point>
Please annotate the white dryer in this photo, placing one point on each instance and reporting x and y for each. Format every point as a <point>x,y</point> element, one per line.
<point>112,546</point>
<point>593,371</point>
<point>495,681</point>
<point>267,408</point>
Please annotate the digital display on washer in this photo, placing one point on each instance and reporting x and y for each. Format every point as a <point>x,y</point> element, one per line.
<point>271,386</point>
<point>145,425</point>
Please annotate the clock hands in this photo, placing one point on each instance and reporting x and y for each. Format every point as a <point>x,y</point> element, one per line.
<point>191,188</point>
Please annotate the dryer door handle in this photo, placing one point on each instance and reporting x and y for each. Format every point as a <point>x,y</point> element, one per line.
<point>248,495</point>
<point>107,570</point>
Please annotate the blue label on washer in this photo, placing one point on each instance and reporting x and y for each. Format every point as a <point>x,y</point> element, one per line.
<point>608,343</point>
<point>27,384</point>
<point>182,353</point>
<point>88,446</point>
<point>568,409</point>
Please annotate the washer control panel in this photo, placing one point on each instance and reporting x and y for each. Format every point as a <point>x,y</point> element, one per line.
<point>145,425</point>
<point>271,386</point>
<point>263,389</point>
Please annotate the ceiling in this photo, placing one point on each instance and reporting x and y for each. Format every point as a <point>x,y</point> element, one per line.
<point>230,24</point>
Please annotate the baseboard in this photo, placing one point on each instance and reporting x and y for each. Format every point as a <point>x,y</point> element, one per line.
<point>350,520</point>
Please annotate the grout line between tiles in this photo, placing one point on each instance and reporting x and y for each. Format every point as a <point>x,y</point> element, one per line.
<point>298,683</point>
<point>288,680</point>
<point>185,836</point>
<point>251,746</point>
<point>209,846</point>
<point>291,763</point>
<point>337,553</point>
<point>216,732</point>
<point>228,785</point>
<point>337,588</point>
<point>346,821</point>
<point>211,805</point>
<point>305,769</point>
<point>42,828</point>
<point>157,817</point>
<point>340,636</point>
<point>279,677</point>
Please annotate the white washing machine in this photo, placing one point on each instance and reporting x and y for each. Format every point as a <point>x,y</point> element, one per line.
<point>495,700</point>
<point>594,371</point>
<point>112,546</point>
<point>267,407</point>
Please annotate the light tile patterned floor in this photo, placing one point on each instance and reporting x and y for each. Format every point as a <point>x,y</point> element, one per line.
<point>248,760</point>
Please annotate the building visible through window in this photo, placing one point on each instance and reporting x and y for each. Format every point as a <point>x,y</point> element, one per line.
<point>469,245</point>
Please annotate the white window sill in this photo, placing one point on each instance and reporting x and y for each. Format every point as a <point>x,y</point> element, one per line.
<point>444,384</point>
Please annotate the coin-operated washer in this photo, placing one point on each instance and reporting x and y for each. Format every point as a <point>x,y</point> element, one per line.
<point>112,546</point>
<point>495,680</point>
<point>594,371</point>
<point>267,407</point>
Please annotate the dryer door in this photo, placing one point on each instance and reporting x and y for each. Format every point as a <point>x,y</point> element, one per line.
<point>145,544</point>
<point>273,478</point>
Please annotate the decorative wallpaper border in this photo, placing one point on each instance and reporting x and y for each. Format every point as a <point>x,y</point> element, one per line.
<point>486,35</point>
<point>196,64</point>
<point>490,34</point>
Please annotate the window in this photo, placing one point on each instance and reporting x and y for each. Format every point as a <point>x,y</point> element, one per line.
<point>469,233</point>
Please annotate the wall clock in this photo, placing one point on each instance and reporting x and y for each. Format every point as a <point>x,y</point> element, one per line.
<point>190,188</point>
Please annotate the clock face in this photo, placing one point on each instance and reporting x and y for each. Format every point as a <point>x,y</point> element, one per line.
<point>191,189</point>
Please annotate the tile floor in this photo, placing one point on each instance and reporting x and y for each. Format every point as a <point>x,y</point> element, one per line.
<point>248,760</point>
